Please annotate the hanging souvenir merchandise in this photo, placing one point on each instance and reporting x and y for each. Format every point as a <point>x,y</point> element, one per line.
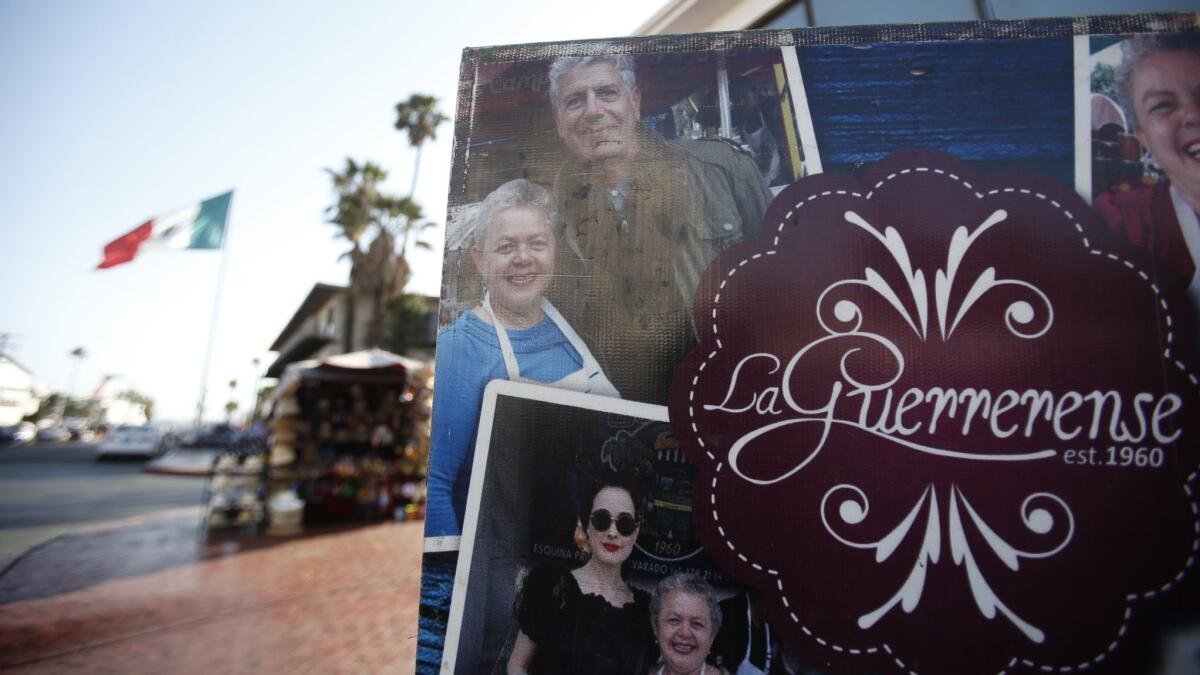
<point>345,441</point>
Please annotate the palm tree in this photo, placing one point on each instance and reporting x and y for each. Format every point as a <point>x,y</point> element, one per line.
<point>402,218</point>
<point>356,190</point>
<point>254,407</point>
<point>146,403</point>
<point>420,117</point>
<point>232,405</point>
<point>379,270</point>
<point>79,354</point>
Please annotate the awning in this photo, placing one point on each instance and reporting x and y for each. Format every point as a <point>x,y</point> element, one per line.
<point>303,348</point>
<point>372,366</point>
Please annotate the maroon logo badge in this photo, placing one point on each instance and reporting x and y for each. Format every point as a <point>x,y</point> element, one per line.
<point>944,423</point>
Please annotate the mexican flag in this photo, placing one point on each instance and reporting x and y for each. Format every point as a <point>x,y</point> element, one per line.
<point>199,226</point>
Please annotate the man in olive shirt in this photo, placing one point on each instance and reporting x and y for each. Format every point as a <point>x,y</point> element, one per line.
<point>643,217</point>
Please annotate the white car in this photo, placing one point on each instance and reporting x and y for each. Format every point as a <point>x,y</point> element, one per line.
<point>127,441</point>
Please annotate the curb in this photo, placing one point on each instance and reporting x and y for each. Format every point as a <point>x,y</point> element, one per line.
<point>9,562</point>
<point>182,463</point>
<point>177,471</point>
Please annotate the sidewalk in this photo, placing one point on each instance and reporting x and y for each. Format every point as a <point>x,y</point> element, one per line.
<point>153,598</point>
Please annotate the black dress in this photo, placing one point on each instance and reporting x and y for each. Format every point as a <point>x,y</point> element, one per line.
<point>581,633</point>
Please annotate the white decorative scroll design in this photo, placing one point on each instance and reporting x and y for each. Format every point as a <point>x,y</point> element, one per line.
<point>1037,515</point>
<point>1020,312</point>
<point>1021,316</point>
<point>1039,520</point>
<point>854,510</point>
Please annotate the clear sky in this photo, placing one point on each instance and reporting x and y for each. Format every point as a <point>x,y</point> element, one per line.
<point>117,111</point>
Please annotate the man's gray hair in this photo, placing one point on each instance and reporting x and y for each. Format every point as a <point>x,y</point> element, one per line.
<point>622,62</point>
<point>1137,49</point>
<point>685,582</point>
<point>514,193</point>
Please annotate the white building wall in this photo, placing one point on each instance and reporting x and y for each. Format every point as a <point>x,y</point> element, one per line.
<point>16,393</point>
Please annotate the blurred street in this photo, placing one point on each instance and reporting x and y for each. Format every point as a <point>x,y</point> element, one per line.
<point>123,580</point>
<point>47,489</point>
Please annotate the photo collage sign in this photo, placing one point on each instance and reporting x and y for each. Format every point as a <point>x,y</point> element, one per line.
<point>880,340</point>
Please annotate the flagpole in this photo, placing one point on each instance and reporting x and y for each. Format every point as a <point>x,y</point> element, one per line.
<point>216,312</point>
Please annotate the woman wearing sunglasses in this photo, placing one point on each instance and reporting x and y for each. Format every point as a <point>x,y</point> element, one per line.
<point>588,620</point>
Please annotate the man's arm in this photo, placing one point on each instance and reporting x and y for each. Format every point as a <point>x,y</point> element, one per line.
<point>729,175</point>
<point>750,193</point>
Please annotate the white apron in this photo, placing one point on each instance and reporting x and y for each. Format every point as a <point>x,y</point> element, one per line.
<point>589,379</point>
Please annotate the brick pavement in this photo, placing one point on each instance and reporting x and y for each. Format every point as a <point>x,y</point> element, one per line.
<point>342,601</point>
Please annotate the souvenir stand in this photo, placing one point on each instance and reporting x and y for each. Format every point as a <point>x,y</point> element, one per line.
<point>349,437</point>
<point>233,495</point>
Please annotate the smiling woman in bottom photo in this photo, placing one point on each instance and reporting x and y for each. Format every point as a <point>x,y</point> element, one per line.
<point>685,617</point>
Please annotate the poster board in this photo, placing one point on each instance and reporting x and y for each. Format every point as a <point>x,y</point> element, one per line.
<point>917,302</point>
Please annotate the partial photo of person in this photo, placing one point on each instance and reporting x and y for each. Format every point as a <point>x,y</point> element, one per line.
<point>686,618</point>
<point>1158,85</point>
<point>514,333</point>
<point>588,620</point>
<point>641,218</point>
<point>748,644</point>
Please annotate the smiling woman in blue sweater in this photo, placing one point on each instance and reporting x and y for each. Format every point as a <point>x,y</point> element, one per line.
<point>515,334</point>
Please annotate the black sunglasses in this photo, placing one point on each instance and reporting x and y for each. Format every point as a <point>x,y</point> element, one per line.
<point>602,520</point>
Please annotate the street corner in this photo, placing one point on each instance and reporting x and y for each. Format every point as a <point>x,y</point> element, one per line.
<point>118,549</point>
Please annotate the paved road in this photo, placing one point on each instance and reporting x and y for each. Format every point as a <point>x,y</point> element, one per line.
<point>50,489</point>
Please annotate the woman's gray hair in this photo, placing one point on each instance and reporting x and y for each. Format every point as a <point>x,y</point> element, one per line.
<point>685,582</point>
<point>514,193</point>
<point>1137,49</point>
<point>622,62</point>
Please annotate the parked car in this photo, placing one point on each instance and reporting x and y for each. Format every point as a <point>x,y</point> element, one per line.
<point>79,429</point>
<point>210,436</point>
<point>53,434</point>
<point>15,434</point>
<point>130,441</point>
